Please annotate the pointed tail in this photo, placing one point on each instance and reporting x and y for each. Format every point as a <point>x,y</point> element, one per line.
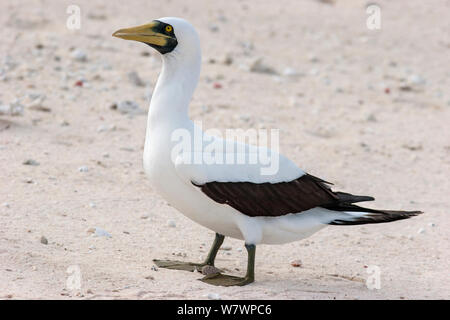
<point>349,214</point>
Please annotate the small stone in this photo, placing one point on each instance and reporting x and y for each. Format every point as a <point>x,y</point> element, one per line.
<point>413,147</point>
<point>44,240</point>
<point>144,216</point>
<point>314,72</point>
<point>154,268</point>
<point>171,224</point>
<point>213,28</point>
<point>214,296</point>
<point>312,58</point>
<point>406,88</point>
<point>228,59</point>
<point>226,248</point>
<point>371,118</point>
<point>12,109</point>
<point>290,72</point>
<point>99,232</point>
<point>421,231</point>
<point>392,64</point>
<point>104,127</point>
<point>30,162</point>
<point>79,55</point>
<point>210,270</point>
<point>330,2</point>
<point>416,79</point>
<point>296,263</point>
<point>432,224</point>
<point>92,205</point>
<point>134,78</point>
<point>96,16</point>
<point>5,204</point>
<point>127,107</point>
<point>149,277</point>
<point>40,108</point>
<point>245,117</point>
<point>259,67</point>
<point>83,169</point>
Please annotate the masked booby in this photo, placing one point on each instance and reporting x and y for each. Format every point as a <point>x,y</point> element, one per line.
<point>233,199</point>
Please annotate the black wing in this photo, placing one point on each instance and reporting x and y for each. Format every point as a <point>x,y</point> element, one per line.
<point>278,199</point>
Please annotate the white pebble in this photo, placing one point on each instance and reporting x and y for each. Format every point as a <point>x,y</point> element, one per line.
<point>128,107</point>
<point>104,127</point>
<point>171,223</point>
<point>83,169</point>
<point>92,204</point>
<point>214,296</point>
<point>99,232</point>
<point>12,109</point>
<point>432,224</point>
<point>416,80</point>
<point>290,72</point>
<point>421,230</point>
<point>314,72</point>
<point>5,204</point>
<point>79,55</point>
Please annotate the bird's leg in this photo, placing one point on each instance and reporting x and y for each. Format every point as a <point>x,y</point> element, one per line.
<point>191,266</point>
<point>227,281</point>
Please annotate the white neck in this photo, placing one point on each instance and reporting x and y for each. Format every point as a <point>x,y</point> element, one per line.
<point>174,89</point>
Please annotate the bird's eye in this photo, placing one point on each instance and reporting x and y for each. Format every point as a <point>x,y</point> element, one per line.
<point>169,28</point>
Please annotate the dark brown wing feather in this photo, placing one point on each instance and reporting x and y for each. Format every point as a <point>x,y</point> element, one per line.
<point>278,199</point>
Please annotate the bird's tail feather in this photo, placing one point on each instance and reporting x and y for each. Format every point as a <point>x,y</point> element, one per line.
<point>353,215</point>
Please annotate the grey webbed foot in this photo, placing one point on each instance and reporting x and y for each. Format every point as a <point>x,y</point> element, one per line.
<point>226,280</point>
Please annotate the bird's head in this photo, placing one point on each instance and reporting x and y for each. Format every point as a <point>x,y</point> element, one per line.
<point>166,35</point>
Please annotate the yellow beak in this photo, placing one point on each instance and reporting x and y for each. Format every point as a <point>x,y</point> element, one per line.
<point>147,33</point>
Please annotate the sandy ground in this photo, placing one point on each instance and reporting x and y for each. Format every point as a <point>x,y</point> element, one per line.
<point>366,109</point>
